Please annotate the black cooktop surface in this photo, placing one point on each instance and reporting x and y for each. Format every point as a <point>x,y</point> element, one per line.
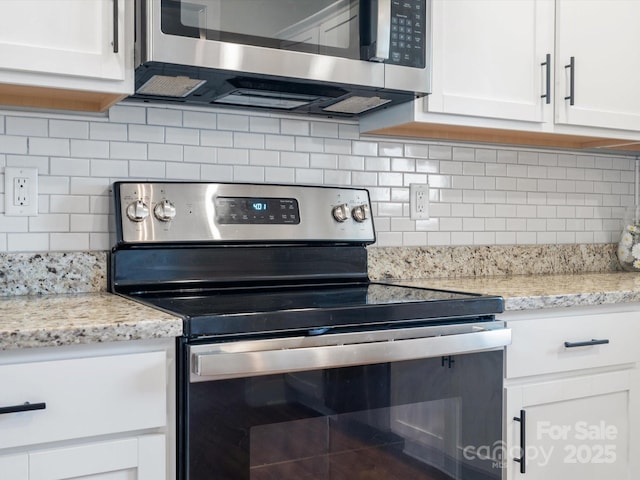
<point>312,307</point>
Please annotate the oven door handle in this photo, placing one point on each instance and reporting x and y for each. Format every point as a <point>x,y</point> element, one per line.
<point>219,365</point>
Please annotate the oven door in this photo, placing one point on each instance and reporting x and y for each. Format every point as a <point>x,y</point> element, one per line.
<point>419,403</point>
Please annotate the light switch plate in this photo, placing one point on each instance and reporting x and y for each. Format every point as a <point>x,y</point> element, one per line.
<point>21,192</point>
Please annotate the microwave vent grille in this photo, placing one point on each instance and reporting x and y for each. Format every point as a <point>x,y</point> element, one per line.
<point>167,86</point>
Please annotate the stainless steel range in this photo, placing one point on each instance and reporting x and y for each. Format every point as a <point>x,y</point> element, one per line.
<point>293,364</point>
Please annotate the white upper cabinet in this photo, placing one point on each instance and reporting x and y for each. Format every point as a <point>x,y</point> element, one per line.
<point>603,39</point>
<point>501,73</point>
<point>70,45</point>
<point>489,58</point>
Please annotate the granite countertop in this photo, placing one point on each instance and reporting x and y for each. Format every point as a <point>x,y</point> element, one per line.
<point>82,318</point>
<point>53,320</point>
<point>527,292</point>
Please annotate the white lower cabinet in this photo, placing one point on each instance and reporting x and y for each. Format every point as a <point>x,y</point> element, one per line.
<point>102,414</point>
<point>132,458</point>
<point>574,428</point>
<point>579,419</point>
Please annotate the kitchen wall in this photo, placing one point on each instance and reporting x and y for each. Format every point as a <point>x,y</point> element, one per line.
<point>480,195</point>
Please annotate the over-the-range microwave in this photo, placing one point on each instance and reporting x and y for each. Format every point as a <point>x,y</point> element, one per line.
<point>329,57</point>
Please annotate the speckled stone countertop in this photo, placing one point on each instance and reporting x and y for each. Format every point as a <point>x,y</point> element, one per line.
<point>52,320</point>
<point>527,292</point>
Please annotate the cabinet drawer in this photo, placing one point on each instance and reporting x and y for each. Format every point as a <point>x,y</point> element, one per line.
<point>82,397</point>
<point>555,344</point>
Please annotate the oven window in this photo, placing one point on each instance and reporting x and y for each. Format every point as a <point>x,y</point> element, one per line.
<point>430,419</point>
<point>328,27</point>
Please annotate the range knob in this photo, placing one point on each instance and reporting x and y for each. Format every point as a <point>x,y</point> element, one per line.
<point>137,211</point>
<point>164,211</point>
<point>340,212</point>
<point>360,213</point>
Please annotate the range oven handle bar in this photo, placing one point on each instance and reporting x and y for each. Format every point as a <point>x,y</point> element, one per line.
<point>214,366</point>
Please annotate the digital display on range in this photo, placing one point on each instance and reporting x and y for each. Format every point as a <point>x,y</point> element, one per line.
<point>256,211</point>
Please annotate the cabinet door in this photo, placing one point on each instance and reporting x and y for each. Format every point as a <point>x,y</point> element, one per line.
<point>602,37</point>
<point>488,56</point>
<point>139,458</point>
<point>14,467</point>
<point>575,428</point>
<point>70,38</point>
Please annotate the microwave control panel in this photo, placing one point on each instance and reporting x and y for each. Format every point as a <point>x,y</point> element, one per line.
<point>408,33</point>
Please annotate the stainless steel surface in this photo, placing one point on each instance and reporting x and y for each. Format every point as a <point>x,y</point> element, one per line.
<point>199,52</point>
<point>383,34</point>
<point>185,212</point>
<point>264,357</point>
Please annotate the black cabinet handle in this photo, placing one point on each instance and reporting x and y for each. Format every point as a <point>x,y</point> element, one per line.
<point>586,343</point>
<point>572,80</point>
<point>547,94</point>
<point>523,439</point>
<point>115,26</point>
<point>25,407</point>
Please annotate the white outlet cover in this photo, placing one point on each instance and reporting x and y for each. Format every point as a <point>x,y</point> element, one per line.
<point>419,201</point>
<point>31,207</point>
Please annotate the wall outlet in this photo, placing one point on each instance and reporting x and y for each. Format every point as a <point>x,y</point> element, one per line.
<point>20,191</point>
<point>419,201</point>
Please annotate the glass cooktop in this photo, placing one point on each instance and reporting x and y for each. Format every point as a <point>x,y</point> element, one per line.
<point>310,307</point>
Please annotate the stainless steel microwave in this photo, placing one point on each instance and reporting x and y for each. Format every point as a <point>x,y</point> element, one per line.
<point>328,57</point>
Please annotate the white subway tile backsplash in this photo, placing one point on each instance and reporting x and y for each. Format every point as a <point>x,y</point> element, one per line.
<point>264,157</point>
<point>27,126</point>
<point>99,241</point>
<point>107,131</point>
<point>68,129</point>
<point>169,153</point>
<point>27,242</point>
<point>323,160</point>
<point>248,140</point>
<point>264,125</point>
<point>68,204</point>
<point>33,161</point>
<point>183,171</point>
<point>164,116</point>
<point>233,122</point>
<point>217,173</point>
<point>216,139</point>
<point>133,151</point>
<point>280,142</point>
<point>203,120</point>
<point>89,223</point>
<point>280,175</point>
<point>48,146</point>
<point>147,169</point>
<point>309,144</point>
<point>52,222</point>
<point>146,133</point>
<point>324,129</point>
<point>295,127</point>
<point>69,241</point>
<point>479,195</point>
<point>248,174</point>
<point>182,136</point>
<point>85,149</point>
<point>109,168</point>
<point>195,154</point>
<point>308,176</point>
<point>127,114</point>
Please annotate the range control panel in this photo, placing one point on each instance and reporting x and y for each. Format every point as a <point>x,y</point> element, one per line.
<point>177,212</point>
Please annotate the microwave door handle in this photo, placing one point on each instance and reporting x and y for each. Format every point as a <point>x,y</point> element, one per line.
<point>380,30</point>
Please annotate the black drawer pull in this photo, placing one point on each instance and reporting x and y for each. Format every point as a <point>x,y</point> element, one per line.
<point>25,407</point>
<point>523,439</point>
<point>587,343</point>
